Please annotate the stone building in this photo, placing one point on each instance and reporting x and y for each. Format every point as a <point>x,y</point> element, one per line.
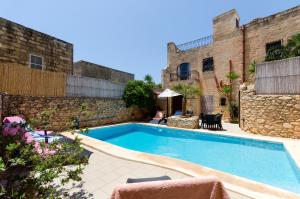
<point>28,47</point>
<point>232,47</point>
<point>87,69</point>
<point>25,46</point>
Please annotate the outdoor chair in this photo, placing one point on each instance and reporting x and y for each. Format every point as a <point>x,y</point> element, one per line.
<point>37,135</point>
<point>203,120</point>
<point>158,118</point>
<point>210,121</point>
<point>189,112</point>
<point>177,113</point>
<point>218,120</point>
<point>137,180</point>
<point>189,188</point>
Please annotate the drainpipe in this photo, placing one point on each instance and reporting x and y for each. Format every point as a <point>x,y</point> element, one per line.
<point>230,81</point>
<point>244,52</point>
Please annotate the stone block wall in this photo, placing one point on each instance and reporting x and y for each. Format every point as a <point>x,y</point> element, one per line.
<point>17,42</point>
<point>274,115</point>
<point>101,111</point>
<point>87,69</point>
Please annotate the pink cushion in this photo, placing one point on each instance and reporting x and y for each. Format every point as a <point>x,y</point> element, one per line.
<point>16,119</point>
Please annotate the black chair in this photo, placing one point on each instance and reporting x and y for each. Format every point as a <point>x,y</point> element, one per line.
<point>210,121</point>
<point>218,121</point>
<point>189,112</point>
<point>203,120</point>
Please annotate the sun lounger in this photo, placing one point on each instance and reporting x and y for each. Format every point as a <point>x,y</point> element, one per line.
<point>158,117</point>
<point>192,188</point>
<point>177,113</point>
<point>138,180</point>
<point>37,135</point>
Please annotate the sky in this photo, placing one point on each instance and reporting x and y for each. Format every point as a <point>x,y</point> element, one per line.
<point>130,35</point>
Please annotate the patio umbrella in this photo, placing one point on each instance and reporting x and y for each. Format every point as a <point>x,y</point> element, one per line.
<point>166,94</point>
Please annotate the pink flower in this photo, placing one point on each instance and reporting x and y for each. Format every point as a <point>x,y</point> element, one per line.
<point>11,131</point>
<point>43,151</point>
<point>27,137</point>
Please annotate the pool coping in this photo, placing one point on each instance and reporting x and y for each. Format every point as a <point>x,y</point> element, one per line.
<point>233,183</point>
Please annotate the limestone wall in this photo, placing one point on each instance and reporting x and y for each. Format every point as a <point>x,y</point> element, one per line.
<point>87,69</point>
<point>275,115</point>
<point>17,42</point>
<point>102,111</point>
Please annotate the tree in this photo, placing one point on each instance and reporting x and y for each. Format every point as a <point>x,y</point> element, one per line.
<point>148,79</point>
<point>187,91</point>
<point>227,91</point>
<point>139,93</point>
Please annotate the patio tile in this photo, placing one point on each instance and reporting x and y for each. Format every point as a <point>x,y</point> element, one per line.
<point>110,177</point>
<point>99,194</point>
<point>94,184</point>
<point>108,188</point>
<point>105,172</point>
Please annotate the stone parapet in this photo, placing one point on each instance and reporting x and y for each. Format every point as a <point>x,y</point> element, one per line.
<point>184,122</point>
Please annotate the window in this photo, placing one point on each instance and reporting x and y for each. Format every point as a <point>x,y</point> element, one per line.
<point>273,45</point>
<point>208,64</point>
<point>274,51</point>
<point>36,62</point>
<point>237,23</point>
<point>223,101</point>
<point>183,71</point>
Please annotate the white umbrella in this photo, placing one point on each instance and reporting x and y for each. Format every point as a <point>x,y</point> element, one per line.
<point>166,94</point>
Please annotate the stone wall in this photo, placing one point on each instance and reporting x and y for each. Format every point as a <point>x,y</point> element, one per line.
<point>17,42</point>
<point>101,111</point>
<point>184,122</point>
<point>275,115</point>
<point>87,69</point>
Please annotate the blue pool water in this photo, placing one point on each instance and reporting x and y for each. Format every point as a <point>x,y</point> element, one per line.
<point>262,161</point>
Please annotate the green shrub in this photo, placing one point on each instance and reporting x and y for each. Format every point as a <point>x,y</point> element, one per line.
<point>139,93</point>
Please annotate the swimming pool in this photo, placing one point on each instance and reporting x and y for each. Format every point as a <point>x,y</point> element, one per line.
<point>262,161</point>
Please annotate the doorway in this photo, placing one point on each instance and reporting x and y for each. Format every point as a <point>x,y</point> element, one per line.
<point>176,104</point>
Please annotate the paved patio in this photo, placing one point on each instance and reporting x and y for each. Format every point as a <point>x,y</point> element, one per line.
<point>104,172</point>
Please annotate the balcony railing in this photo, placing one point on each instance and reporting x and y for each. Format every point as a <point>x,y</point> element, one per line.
<point>198,43</point>
<point>192,75</point>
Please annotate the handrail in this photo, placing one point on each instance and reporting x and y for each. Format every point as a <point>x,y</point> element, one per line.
<point>198,43</point>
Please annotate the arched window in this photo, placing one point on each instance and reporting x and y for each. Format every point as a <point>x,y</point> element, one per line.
<point>183,71</point>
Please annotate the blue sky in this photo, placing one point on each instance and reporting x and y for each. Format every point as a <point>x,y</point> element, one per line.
<point>130,35</point>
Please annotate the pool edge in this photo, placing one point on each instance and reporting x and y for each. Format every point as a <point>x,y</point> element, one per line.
<point>233,183</point>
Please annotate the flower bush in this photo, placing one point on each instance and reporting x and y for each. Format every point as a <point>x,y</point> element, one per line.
<point>28,168</point>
